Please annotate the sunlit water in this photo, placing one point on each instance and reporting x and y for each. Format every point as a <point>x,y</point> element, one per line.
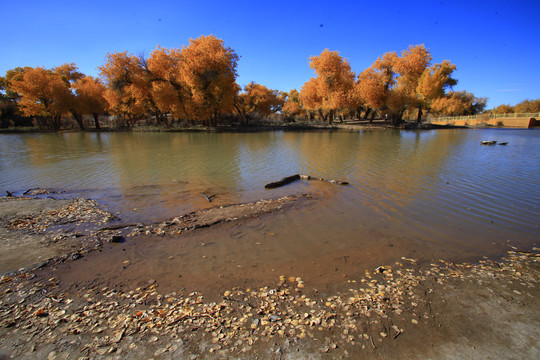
<point>410,191</point>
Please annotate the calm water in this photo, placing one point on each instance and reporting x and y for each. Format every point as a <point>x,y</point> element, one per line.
<point>427,194</point>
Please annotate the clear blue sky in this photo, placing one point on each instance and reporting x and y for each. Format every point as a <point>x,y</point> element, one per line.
<point>495,44</point>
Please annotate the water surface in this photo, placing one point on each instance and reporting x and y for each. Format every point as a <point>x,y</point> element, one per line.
<point>422,194</point>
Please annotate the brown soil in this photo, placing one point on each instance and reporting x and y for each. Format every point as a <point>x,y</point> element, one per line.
<point>113,303</point>
<point>25,238</point>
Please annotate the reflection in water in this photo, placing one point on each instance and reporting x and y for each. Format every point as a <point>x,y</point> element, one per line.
<point>436,191</point>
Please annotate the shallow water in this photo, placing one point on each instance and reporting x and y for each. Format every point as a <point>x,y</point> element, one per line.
<point>425,194</point>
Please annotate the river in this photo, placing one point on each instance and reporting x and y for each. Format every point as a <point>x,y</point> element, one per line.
<point>422,194</point>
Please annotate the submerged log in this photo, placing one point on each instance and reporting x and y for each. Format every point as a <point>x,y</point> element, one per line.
<point>290,179</point>
<point>284,181</point>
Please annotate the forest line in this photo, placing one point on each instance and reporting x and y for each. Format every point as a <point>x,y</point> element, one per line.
<point>196,84</point>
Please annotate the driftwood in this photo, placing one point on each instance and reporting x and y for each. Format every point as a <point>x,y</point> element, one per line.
<point>290,179</point>
<point>209,198</point>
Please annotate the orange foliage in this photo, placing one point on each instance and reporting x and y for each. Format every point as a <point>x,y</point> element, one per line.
<point>198,82</point>
<point>330,89</point>
<point>459,103</point>
<point>435,79</point>
<point>292,106</point>
<point>209,71</point>
<point>310,95</point>
<point>410,66</point>
<point>127,85</point>
<point>371,88</point>
<point>91,97</point>
<point>528,106</point>
<point>169,93</point>
<point>42,93</point>
<point>257,98</point>
<point>69,72</point>
<point>385,65</point>
<point>90,94</point>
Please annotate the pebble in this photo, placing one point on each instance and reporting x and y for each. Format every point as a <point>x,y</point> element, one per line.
<point>115,320</point>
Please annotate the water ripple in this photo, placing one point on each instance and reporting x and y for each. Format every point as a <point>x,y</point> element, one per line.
<point>431,187</point>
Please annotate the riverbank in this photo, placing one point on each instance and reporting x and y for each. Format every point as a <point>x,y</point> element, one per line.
<point>346,125</point>
<point>187,129</point>
<point>406,309</point>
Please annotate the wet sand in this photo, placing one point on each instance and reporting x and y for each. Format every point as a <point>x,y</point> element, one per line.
<point>176,289</point>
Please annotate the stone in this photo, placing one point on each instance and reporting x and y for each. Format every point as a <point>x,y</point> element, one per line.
<point>116,239</point>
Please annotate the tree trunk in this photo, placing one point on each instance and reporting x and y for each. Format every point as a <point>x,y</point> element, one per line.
<point>331,114</point>
<point>358,113</point>
<point>78,118</point>
<point>395,118</point>
<point>243,118</point>
<point>56,122</point>
<point>321,115</point>
<point>368,110</point>
<point>214,118</point>
<point>419,118</point>
<point>96,121</point>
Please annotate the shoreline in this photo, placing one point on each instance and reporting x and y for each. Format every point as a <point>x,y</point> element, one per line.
<point>336,126</point>
<point>474,310</point>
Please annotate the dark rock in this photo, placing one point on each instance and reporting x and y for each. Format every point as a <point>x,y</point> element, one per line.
<point>76,256</point>
<point>116,239</point>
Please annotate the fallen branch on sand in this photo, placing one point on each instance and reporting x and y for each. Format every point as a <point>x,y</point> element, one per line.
<point>290,179</point>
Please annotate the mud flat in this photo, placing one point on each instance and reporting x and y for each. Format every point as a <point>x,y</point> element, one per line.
<point>35,232</point>
<point>402,310</point>
<point>26,238</point>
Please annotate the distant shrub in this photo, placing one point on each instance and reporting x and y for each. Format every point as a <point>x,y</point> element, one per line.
<point>500,123</point>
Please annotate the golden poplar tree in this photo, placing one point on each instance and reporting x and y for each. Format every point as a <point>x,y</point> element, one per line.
<point>329,90</point>
<point>209,71</point>
<point>91,97</point>
<point>69,102</point>
<point>257,99</point>
<point>168,90</point>
<point>43,94</point>
<point>292,106</point>
<point>128,88</point>
<point>458,103</point>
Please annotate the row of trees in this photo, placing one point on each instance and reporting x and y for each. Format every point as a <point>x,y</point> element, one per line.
<point>394,85</point>
<point>526,106</point>
<point>197,83</point>
<point>48,94</point>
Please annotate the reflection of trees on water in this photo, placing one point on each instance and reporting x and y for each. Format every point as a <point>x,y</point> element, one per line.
<point>391,168</point>
<point>388,169</point>
<point>181,165</point>
<point>400,167</point>
<point>67,160</point>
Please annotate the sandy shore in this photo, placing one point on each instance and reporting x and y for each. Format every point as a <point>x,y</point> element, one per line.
<point>403,310</point>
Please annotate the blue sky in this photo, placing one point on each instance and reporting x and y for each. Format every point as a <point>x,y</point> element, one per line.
<point>495,44</point>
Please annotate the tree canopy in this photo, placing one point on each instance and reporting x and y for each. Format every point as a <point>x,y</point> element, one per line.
<point>197,83</point>
<point>330,89</point>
